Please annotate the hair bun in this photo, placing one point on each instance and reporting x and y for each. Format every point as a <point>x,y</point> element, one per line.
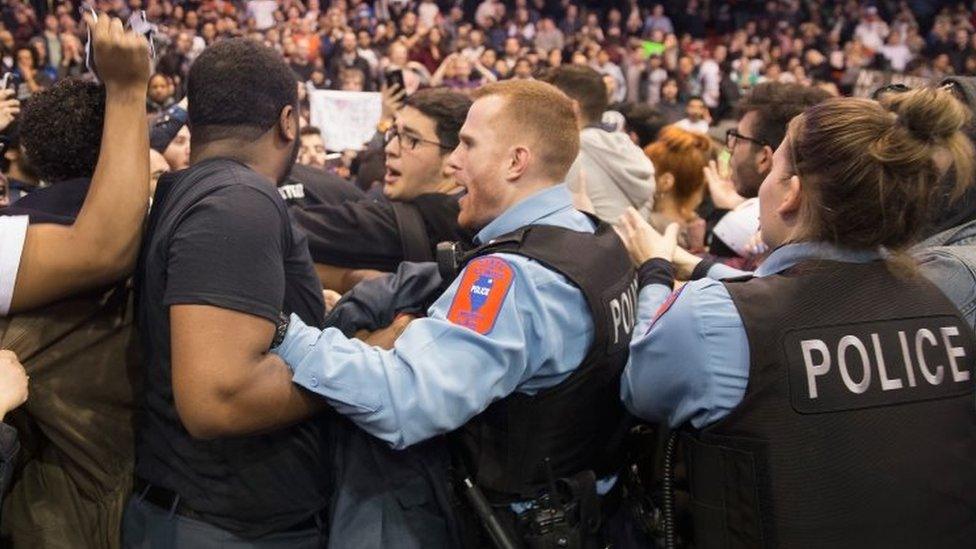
<point>929,114</point>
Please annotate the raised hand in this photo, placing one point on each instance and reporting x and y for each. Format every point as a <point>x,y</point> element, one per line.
<point>642,241</point>
<point>122,56</point>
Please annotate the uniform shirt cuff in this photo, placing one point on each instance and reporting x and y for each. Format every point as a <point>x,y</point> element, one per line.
<point>655,271</point>
<point>298,342</point>
<point>701,270</point>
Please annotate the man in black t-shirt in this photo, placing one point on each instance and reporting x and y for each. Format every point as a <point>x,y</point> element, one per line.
<point>422,197</point>
<point>220,262</point>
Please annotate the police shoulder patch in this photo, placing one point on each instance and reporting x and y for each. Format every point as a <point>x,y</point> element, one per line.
<point>481,293</point>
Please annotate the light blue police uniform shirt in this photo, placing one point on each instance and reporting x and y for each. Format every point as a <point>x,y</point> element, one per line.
<point>439,374</point>
<point>692,364</point>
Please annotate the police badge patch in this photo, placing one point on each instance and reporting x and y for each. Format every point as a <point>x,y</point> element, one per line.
<point>481,293</point>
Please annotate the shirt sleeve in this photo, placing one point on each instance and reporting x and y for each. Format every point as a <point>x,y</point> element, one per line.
<point>440,374</point>
<point>228,252</point>
<point>720,271</point>
<point>953,277</point>
<point>360,234</point>
<point>691,364</point>
<point>13,234</point>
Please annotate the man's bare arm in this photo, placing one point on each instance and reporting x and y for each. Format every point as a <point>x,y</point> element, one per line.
<point>225,383</point>
<point>102,245</point>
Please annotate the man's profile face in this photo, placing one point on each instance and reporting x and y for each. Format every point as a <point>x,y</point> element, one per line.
<point>742,163</point>
<point>312,151</point>
<point>177,153</point>
<point>478,163</point>
<point>414,162</point>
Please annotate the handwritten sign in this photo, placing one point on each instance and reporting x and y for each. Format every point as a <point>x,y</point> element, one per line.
<point>347,119</point>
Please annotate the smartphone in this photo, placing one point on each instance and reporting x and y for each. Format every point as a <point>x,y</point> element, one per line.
<point>395,78</point>
<point>8,82</point>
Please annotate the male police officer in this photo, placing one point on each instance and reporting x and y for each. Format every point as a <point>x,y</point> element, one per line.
<point>522,354</point>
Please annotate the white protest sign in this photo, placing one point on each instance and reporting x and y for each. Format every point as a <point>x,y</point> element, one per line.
<point>347,119</point>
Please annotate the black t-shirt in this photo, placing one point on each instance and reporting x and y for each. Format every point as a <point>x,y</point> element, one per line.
<point>307,186</point>
<point>365,235</point>
<point>220,235</point>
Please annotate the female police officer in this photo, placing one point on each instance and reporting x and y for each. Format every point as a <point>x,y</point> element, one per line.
<point>826,399</point>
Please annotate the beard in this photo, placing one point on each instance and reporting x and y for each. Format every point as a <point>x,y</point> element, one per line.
<point>292,157</point>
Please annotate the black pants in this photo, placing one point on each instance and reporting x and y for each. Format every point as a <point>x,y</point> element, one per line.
<point>147,526</point>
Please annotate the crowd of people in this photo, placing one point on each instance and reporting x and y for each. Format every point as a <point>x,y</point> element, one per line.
<point>658,54</point>
<point>615,274</point>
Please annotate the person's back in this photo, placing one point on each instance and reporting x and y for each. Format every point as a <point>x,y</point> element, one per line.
<point>77,426</point>
<point>220,262</point>
<point>617,173</point>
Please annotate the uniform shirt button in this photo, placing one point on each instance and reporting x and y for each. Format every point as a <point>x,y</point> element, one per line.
<point>313,381</point>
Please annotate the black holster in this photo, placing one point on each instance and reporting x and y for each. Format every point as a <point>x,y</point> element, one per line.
<point>570,518</point>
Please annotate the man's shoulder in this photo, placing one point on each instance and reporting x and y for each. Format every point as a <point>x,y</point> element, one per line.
<point>223,177</point>
<point>222,189</point>
<point>325,187</point>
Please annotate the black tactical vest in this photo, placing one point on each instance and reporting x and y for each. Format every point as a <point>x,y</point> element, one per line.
<point>574,424</point>
<point>857,427</point>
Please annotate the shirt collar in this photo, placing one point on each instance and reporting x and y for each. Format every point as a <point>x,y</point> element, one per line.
<point>541,204</point>
<point>789,255</point>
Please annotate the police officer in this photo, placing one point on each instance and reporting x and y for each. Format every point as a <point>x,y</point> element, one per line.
<point>521,356</point>
<point>825,400</point>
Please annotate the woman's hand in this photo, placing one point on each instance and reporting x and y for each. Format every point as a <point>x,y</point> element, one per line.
<point>393,98</point>
<point>721,189</point>
<point>643,242</point>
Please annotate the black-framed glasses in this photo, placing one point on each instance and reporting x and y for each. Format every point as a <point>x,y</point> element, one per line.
<point>412,141</point>
<point>733,135</point>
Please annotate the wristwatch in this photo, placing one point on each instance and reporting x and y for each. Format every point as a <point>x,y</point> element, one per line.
<point>281,328</point>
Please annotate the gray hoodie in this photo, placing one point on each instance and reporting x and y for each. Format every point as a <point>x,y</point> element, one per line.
<point>618,174</point>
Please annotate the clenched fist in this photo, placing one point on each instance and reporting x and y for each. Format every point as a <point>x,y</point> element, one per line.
<point>122,56</point>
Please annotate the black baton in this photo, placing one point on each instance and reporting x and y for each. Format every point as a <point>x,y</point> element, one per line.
<point>488,519</point>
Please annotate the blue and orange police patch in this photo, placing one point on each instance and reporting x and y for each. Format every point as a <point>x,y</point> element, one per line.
<point>480,295</point>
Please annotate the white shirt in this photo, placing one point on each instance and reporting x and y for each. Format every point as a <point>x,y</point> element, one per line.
<point>695,127</point>
<point>263,13</point>
<point>13,233</point>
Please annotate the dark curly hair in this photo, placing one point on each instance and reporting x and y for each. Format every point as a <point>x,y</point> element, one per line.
<point>61,129</point>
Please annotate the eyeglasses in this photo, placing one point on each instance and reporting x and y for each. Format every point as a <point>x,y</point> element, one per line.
<point>412,141</point>
<point>732,136</point>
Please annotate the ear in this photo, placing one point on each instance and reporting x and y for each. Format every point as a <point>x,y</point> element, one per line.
<point>792,199</point>
<point>578,113</point>
<point>664,182</point>
<point>519,159</point>
<point>288,124</point>
<point>764,160</point>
